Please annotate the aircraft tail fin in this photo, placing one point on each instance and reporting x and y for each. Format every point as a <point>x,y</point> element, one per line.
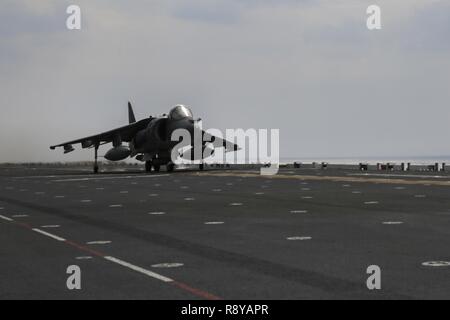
<point>131,117</point>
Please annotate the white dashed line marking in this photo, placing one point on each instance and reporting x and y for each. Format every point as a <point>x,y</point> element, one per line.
<point>110,178</point>
<point>436,264</point>
<point>394,175</point>
<point>168,265</point>
<point>214,222</point>
<point>99,242</point>
<point>259,193</point>
<point>371,202</point>
<point>307,197</point>
<point>298,238</point>
<point>84,258</point>
<point>48,234</point>
<point>184,187</point>
<point>59,197</point>
<point>51,226</point>
<point>115,206</point>
<point>5,218</point>
<point>346,186</point>
<point>356,192</point>
<point>399,188</point>
<point>157,213</point>
<point>86,201</point>
<point>20,216</point>
<point>189,199</point>
<point>299,211</point>
<point>236,204</point>
<point>138,269</point>
<point>393,222</point>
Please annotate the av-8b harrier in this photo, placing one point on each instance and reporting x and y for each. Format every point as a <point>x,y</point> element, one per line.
<point>149,140</point>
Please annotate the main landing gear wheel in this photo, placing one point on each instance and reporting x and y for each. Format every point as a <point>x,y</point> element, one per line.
<point>95,169</point>
<point>170,167</point>
<point>148,166</point>
<point>156,167</point>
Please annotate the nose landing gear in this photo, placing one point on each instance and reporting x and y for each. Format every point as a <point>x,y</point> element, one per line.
<point>148,166</point>
<point>95,159</point>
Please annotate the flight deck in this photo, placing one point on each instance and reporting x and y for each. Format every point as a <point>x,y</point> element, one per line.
<point>223,234</point>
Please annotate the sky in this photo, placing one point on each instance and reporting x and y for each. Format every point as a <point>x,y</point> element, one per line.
<point>309,68</point>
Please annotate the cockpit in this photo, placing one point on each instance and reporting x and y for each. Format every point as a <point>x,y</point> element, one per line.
<point>180,112</point>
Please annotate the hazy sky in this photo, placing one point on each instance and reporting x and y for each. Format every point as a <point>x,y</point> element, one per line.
<point>309,68</point>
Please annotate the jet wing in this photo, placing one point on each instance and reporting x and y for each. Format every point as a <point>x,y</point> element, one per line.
<point>125,133</point>
<point>219,142</point>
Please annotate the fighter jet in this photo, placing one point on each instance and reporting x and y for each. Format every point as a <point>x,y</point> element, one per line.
<point>149,140</point>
